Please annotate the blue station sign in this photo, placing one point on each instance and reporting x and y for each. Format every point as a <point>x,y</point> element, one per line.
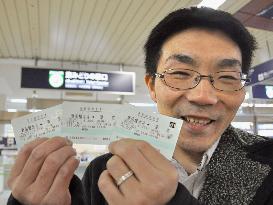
<point>261,73</point>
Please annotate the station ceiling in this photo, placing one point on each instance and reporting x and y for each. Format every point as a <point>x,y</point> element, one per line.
<point>103,31</point>
<point>99,32</point>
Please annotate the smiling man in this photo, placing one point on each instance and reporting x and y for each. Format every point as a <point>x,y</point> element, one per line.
<point>199,80</point>
<point>197,60</point>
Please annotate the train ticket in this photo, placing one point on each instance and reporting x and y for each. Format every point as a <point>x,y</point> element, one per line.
<point>94,123</point>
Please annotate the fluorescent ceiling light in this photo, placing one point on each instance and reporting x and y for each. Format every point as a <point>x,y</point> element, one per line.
<point>34,110</point>
<point>247,104</point>
<point>18,100</point>
<point>257,105</point>
<point>214,4</point>
<point>264,105</point>
<point>143,104</point>
<point>11,110</point>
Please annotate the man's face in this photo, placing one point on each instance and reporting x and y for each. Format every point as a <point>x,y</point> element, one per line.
<point>206,112</point>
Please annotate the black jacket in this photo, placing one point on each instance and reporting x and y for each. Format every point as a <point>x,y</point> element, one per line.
<point>240,172</point>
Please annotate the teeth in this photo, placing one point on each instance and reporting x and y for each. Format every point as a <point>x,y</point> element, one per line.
<point>197,121</point>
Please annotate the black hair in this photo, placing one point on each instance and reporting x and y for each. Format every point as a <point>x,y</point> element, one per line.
<point>194,17</point>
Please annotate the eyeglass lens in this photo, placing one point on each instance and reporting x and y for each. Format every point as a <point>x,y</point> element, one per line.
<point>187,79</point>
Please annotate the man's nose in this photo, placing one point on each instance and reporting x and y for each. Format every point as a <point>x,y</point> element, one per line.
<point>203,94</point>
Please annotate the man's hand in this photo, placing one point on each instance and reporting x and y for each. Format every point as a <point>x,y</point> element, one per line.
<point>154,181</point>
<point>42,172</point>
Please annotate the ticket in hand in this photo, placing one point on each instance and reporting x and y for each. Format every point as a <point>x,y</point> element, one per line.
<point>89,123</point>
<point>93,123</point>
<point>159,130</point>
<point>46,123</point>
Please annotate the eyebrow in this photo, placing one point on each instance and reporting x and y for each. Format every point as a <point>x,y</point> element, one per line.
<point>229,63</point>
<point>182,59</point>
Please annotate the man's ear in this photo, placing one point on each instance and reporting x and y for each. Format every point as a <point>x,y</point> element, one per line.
<point>150,83</point>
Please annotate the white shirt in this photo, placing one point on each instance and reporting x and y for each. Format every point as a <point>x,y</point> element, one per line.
<point>195,181</point>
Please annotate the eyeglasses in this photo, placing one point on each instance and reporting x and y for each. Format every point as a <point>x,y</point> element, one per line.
<point>184,79</point>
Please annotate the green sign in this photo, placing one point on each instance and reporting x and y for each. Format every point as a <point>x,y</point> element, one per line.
<point>56,78</point>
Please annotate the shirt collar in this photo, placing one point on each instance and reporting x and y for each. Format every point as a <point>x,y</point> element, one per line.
<point>207,155</point>
<point>205,158</point>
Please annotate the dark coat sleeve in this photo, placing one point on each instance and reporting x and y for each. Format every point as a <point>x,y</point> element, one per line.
<point>183,195</point>
<point>94,197</point>
<point>12,201</point>
<point>90,180</point>
<point>75,188</point>
<point>88,192</point>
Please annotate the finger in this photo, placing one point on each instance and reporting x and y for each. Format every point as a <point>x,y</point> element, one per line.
<point>61,183</point>
<point>50,168</point>
<point>109,189</point>
<point>128,150</point>
<point>37,157</point>
<point>64,175</point>
<point>152,155</point>
<point>117,168</point>
<point>59,191</point>
<point>22,157</point>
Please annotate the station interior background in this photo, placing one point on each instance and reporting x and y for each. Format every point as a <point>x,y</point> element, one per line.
<point>102,36</point>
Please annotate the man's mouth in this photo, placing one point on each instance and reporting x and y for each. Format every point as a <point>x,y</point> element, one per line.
<point>197,120</point>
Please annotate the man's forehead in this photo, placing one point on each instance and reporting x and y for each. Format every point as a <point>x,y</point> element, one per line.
<point>195,34</point>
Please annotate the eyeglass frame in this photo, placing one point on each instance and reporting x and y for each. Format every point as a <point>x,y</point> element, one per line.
<point>210,77</point>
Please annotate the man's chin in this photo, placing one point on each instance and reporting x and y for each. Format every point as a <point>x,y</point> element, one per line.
<point>194,148</point>
<point>195,145</point>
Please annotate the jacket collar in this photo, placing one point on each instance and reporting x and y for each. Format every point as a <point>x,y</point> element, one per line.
<point>234,172</point>
<point>262,152</point>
